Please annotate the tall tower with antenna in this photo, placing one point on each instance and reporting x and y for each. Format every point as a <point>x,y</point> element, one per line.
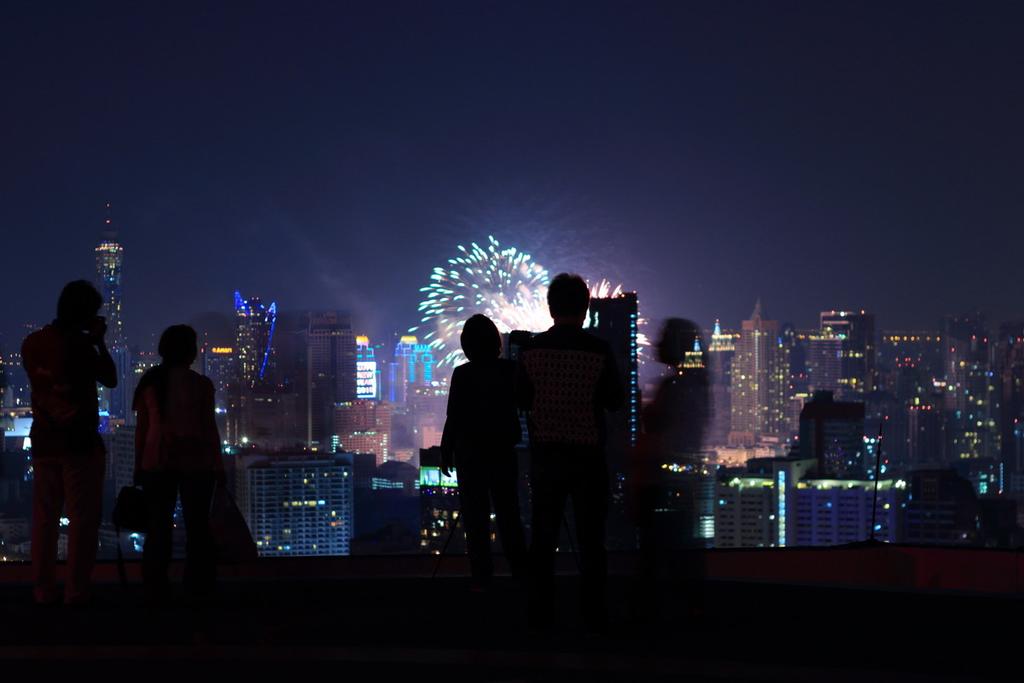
<point>109,269</point>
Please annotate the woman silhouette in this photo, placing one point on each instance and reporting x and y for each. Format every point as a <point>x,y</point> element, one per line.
<point>177,450</point>
<point>479,438</point>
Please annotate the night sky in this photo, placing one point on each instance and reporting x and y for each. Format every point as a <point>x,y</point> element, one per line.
<point>818,155</point>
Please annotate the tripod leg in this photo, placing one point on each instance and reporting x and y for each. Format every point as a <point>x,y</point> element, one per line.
<point>451,532</point>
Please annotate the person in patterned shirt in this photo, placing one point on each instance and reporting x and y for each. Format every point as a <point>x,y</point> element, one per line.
<point>567,381</point>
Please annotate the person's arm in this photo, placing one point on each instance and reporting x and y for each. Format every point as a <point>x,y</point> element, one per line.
<point>106,370</point>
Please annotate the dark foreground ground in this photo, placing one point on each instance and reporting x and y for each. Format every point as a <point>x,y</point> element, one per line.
<point>417,628</point>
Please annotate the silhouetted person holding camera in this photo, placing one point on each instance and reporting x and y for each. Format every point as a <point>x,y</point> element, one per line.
<point>177,451</point>
<point>64,361</point>
<point>568,380</point>
<point>479,439</point>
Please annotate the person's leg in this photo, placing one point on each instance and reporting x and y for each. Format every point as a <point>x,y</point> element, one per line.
<point>504,486</point>
<point>161,491</point>
<point>47,503</point>
<point>548,492</point>
<point>475,510</point>
<point>590,506</point>
<point>200,557</point>
<point>83,487</point>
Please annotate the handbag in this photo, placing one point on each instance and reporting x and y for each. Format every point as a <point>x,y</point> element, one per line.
<point>130,512</point>
<point>232,540</point>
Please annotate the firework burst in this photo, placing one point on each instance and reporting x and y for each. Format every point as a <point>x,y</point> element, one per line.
<point>503,283</point>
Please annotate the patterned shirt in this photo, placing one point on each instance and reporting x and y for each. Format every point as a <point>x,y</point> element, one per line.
<point>568,381</point>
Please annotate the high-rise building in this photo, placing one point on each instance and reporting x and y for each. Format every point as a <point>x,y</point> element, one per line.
<point>614,319</point>
<point>221,366</point>
<point>298,505</point>
<point>331,372</point>
<point>909,362</point>
<point>824,363</point>
<point>972,388</point>
<point>1010,366</point>
<point>17,389</point>
<point>721,352</point>
<point>745,512</point>
<point>754,506</point>
<point>926,434</point>
<point>254,347</point>
<point>856,330</point>
<point>780,502</point>
<point>839,511</point>
<point>418,360</point>
<point>364,426</point>
<point>760,381</point>
<point>942,510</point>
<point>367,372</point>
<point>396,381</point>
<point>109,270</point>
<point>832,434</point>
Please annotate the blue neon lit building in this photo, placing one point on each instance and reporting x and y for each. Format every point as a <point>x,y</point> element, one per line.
<point>413,360</point>
<point>255,325</point>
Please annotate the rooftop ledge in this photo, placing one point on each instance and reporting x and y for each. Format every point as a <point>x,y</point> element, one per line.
<point>891,567</point>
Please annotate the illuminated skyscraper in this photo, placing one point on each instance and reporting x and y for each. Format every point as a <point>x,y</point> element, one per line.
<point>367,372</point>
<point>760,379</point>
<point>1010,347</point>
<point>614,320</point>
<point>721,353</point>
<point>219,363</point>
<point>364,426</point>
<point>109,270</point>
<point>331,372</point>
<point>832,434</point>
<point>857,332</point>
<point>910,360</point>
<point>417,359</point>
<point>824,363</point>
<point>254,348</point>
<point>972,386</point>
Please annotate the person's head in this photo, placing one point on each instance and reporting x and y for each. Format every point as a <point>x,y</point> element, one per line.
<point>679,337</point>
<point>480,338</point>
<point>78,304</point>
<point>568,299</point>
<point>178,346</point>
